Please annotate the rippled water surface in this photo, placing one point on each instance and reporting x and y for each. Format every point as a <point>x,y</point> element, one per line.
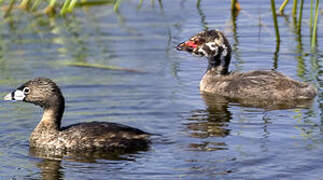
<point>202,137</point>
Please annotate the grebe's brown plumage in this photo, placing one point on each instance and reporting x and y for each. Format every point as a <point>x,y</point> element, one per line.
<point>257,85</point>
<point>90,136</point>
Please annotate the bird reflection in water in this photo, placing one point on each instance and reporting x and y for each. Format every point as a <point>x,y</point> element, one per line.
<point>211,122</point>
<point>50,164</point>
<point>51,169</point>
<point>88,157</point>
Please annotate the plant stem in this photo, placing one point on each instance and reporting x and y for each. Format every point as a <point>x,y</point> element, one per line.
<point>64,8</point>
<point>72,5</point>
<point>311,17</point>
<point>273,9</point>
<point>52,3</point>
<point>35,5</point>
<point>140,4</point>
<point>12,2</point>
<point>50,9</point>
<point>282,7</point>
<point>235,6</point>
<point>299,23</point>
<point>294,11</point>
<point>199,2</point>
<point>314,34</point>
<point>116,5</point>
<point>24,4</point>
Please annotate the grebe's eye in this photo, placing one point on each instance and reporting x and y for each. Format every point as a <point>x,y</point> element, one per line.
<point>26,90</point>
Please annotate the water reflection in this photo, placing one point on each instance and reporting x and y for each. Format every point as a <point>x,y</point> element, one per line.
<point>51,169</point>
<point>202,15</point>
<point>215,119</point>
<point>211,122</point>
<point>274,15</point>
<point>50,164</point>
<point>241,141</point>
<point>269,104</point>
<point>169,31</point>
<point>276,55</point>
<point>235,45</point>
<point>88,157</point>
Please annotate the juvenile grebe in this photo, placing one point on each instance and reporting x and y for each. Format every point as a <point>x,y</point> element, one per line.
<point>257,85</point>
<point>89,136</point>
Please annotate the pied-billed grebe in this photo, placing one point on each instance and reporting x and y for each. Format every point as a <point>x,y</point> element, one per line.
<point>262,85</point>
<point>89,136</point>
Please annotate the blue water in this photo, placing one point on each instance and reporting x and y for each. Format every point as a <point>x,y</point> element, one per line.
<point>201,138</point>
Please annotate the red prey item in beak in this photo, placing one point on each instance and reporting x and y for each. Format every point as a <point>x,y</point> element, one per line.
<point>190,44</point>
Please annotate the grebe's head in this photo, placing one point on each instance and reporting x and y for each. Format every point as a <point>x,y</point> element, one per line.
<point>210,43</point>
<point>40,91</point>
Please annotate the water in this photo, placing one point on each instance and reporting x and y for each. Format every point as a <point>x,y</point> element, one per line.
<point>201,138</point>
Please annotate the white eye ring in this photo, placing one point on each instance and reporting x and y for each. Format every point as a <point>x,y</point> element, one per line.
<point>26,90</point>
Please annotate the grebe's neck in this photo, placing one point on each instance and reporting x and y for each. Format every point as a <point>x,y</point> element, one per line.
<point>220,63</point>
<point>53,113</point>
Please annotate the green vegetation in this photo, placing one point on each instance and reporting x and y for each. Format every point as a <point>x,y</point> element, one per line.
<point>298,22</point>
<point>282,7</point>
<point>100,66</point>
<point>273,8</point>
<point>53,7</point>
<point>235,7</point>
<point>314,32</point>
<point>63,7</point>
